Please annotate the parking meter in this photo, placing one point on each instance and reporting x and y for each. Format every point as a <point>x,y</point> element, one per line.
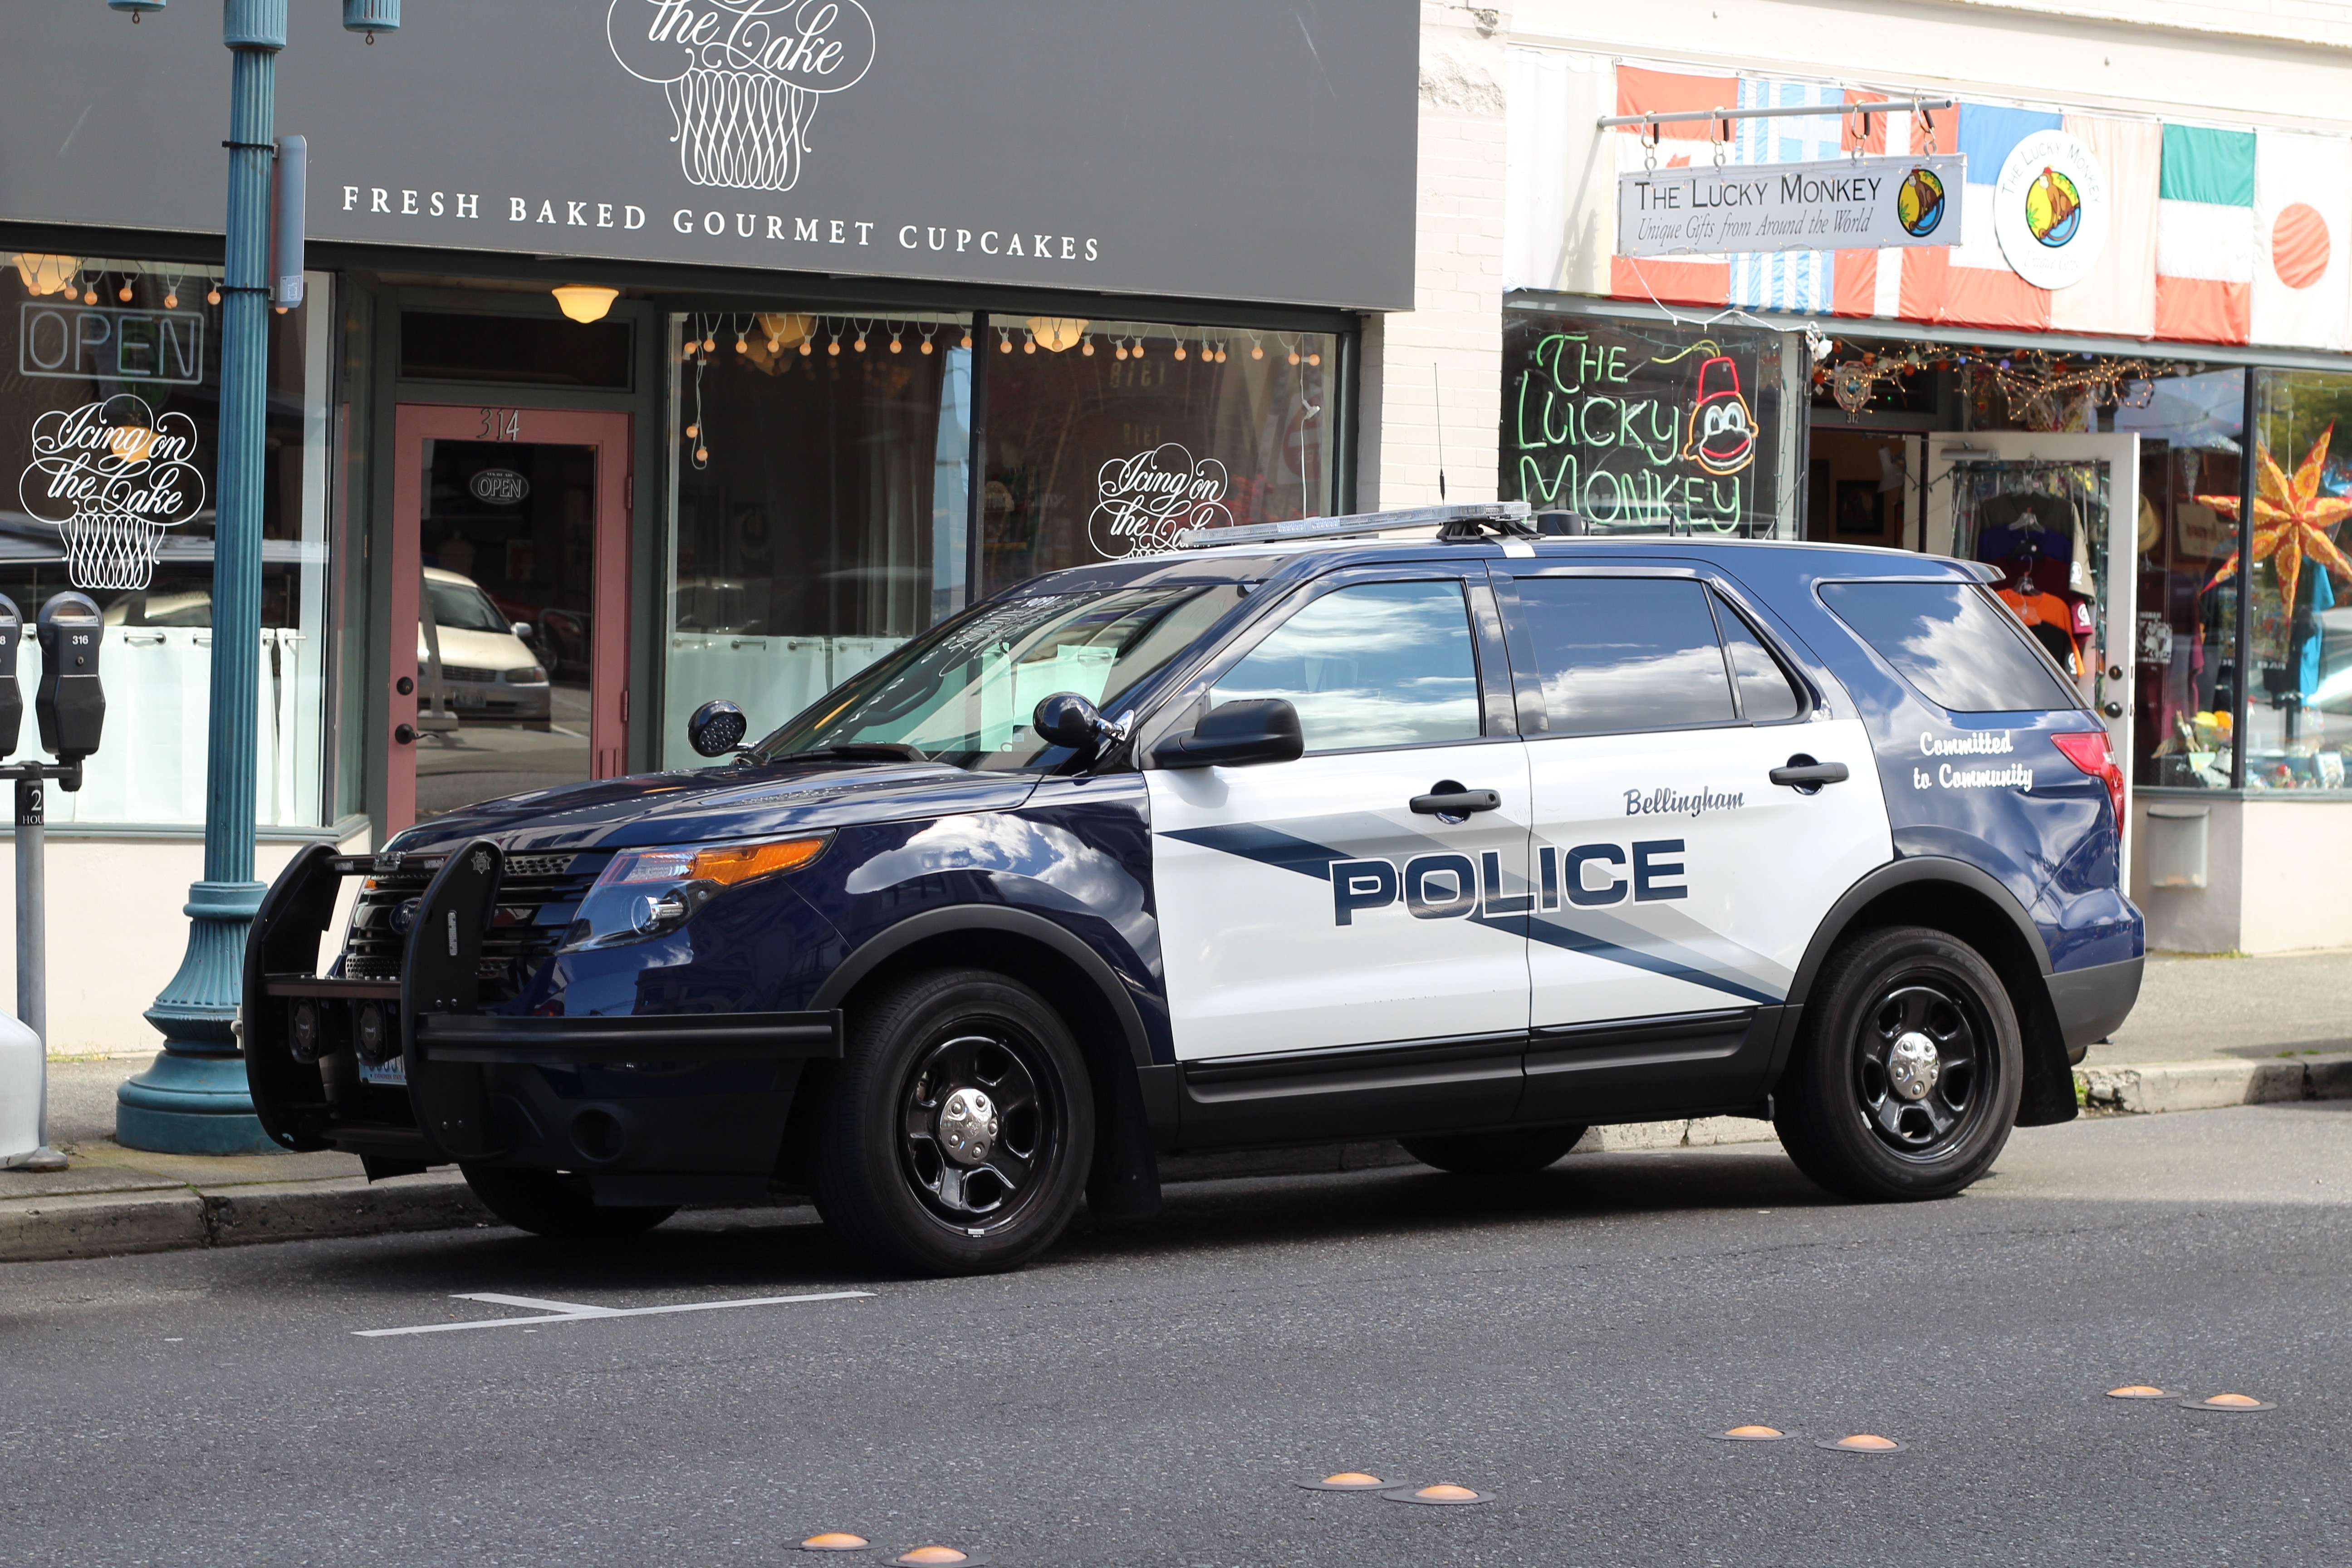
<point>12,700</point>
<point>70,704</point>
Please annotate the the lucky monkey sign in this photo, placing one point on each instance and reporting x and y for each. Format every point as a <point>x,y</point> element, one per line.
<point>111,476</point>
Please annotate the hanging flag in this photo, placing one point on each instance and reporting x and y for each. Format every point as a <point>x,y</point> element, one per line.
<point>1870,283</point>
<point>2205,235</point>
<point>2303,212</point>
<point>1801,280</point>
<point>1700,280</point>
<point>2116,295</point>
<point>1973,284</point>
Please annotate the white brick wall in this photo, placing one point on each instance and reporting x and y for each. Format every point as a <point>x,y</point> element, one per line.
<point>1446,353</point>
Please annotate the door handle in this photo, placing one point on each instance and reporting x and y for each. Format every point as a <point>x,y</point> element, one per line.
<point>1451,799</point>
<point>405,734</point>
<point>1805,775</point>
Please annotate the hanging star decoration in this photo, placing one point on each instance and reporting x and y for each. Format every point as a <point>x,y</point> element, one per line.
<point>2291,520</point>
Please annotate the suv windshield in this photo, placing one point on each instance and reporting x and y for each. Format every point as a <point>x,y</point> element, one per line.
<point>963,692</point>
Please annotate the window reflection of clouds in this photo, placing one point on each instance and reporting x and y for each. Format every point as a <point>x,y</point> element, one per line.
<point>1381,664</point>
<point>1648,691</point>
<point>1947,640</point>
<point>1626,653</point>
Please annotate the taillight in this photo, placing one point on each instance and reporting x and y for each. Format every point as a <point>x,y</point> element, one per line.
<point>2089,750</point>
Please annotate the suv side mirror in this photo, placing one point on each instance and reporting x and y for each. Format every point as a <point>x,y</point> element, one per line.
<point>716,729</point>
<point>1069,720</point>
<point>1236,734</point>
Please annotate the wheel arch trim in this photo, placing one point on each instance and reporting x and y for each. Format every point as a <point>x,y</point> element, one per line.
<point>1912,872</point>
<point>879,949</point>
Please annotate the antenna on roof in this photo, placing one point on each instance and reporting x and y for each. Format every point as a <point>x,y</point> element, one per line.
<point>1437,399</point>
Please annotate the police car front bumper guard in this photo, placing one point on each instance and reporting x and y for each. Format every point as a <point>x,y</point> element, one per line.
<point>430,1019</point>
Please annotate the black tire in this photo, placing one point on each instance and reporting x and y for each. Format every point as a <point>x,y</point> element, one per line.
<point>1853,1111</point>
<point>1495,1154</point>
<point>556,1205</point>
<point>882,1173</point>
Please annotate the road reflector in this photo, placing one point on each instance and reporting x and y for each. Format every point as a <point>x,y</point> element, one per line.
<point>2137,1391</point>
<point>1346,1481</point>
<point>940,1556</point>
<point>2236,1404</point>
<point>1753,1434</point>
<point>1443,1494</point>
<point>836,1541</point>
<point>1863,1443</point>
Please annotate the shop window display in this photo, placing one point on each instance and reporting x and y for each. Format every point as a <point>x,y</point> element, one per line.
<point>109,405</point>
<point>821,512</point>
<point>2299,591</point>
<point>1650,427</point>
<point>1109,438</point>
<point>2190,428</point>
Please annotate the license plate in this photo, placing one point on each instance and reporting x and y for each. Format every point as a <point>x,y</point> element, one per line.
<point>394,1071</point>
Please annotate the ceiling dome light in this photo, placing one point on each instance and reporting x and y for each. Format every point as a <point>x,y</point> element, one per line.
<point>584,303</point>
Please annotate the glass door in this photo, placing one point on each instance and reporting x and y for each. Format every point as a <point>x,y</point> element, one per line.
<point>2027,499</point>
<point>510,561</point>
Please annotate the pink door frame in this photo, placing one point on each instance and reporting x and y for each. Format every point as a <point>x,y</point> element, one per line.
<point>413,423</point>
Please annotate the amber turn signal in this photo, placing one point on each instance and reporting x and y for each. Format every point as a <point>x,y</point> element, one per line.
<point>729,864</point>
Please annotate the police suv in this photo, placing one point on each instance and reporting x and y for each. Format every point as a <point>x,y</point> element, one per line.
<point>1472,840</point>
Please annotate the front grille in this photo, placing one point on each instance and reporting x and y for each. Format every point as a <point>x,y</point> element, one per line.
<point>539,898</point>
<point>466,672</point>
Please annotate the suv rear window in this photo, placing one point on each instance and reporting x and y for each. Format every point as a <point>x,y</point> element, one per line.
<point>1961,648</point>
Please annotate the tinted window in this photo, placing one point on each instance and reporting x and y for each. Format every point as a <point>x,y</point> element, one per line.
<point>1626,653</point>
<point>1766,693</point>
<point>1961,648</point>
<point>1381,664</point>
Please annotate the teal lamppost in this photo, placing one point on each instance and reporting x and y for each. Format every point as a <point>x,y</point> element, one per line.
<point>193,1100</point>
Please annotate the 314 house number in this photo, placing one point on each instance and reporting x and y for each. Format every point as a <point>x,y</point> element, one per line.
<point>502,424</point>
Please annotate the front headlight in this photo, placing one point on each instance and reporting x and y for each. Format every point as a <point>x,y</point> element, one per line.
<point>651,892</point>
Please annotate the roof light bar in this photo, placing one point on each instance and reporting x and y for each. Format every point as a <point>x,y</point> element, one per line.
<point>1511,514</point>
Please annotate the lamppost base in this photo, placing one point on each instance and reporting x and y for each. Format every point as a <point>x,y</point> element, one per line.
<point>189,1104</point>
<point>194,1099</point>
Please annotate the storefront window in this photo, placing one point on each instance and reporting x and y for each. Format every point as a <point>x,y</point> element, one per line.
<point>1643,426</point>
<point>2299,594</point>
<point>1108,439</point>
<point>2185,642</point>
<point>821,509</point>
<point>110,411</point>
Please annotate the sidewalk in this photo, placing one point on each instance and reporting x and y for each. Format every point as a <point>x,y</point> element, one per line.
<point>2208,1032</point>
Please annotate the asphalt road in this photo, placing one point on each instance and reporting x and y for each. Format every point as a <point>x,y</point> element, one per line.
<point>1152,1395</point>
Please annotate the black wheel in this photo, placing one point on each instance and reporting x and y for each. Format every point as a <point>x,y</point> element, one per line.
<point>1495,1154</point>
<point>556,1203</point>
<point>956,1130</point>
<point>1907,1069</point>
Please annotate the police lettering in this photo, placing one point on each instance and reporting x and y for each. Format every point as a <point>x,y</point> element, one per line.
<point>1449,885</point>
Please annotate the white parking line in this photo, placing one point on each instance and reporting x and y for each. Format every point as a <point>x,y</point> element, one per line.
<point>574,1311</point>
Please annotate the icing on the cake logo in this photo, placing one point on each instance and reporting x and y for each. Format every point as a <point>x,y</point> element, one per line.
<point>1142,502</point>
<point>111,476</point>
<point>743,77</point>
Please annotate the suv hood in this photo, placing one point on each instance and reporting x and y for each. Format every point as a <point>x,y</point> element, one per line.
<point>736,801</point>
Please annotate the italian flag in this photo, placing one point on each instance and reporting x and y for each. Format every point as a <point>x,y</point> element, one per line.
<point>2251,233</point>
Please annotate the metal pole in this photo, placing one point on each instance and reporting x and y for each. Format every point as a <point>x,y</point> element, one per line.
<point>194,1098</point>
<point>32,953</point>
<point>2242,640</point>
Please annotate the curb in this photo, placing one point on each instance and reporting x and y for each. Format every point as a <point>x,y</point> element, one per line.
<point>2213,1083</point>
<point>179,1218</point>
<point>107,1224</point>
